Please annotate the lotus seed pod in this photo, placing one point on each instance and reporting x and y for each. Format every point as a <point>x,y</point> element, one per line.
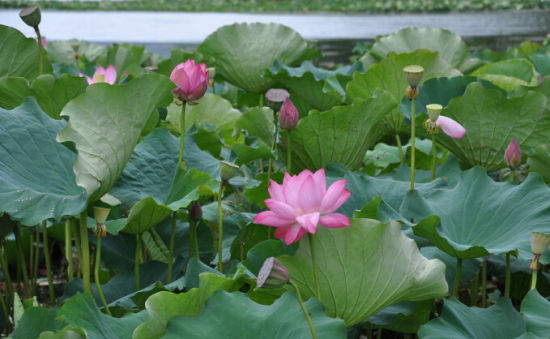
<point>433,111</point>
<point>273,274</point>
<point>228,170</point>
<point>31,16</point>
<point>276,95</point>
<point>413,74</point>
<point>539,242</point>
<point>100,216</point>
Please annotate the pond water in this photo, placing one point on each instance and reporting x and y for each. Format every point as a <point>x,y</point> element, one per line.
<point>336,34</point>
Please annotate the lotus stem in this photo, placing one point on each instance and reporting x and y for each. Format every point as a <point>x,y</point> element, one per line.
<point>36,258</point>
<point>304,309</point>
<point>399,147</point>
<point>182,135</point>
<point>40,51</point>
<point>220,228</point>
<point>512,175</point>
<point>434,157</point>
<point>6,270</point>
<point>172,241</point>
<point>22,260</point>
<point>76,238</point>
<point>473,290</point>
<point>379,333</point>
<point>85,251</point>
<point>137,260</point>
<point>261,165</point>
<point>69,250</point>
<point>96,274</point>
<point>508,277</point>
<point>484,282</point>
<point>31,260</point>
<point>193,240</point>
<point>413,128</point>
<point>288,154</point>
<point>456,284</point>
<point>534,279</point>
<point>315,273</point>
<point>48,262</point>
<point>5,309</point>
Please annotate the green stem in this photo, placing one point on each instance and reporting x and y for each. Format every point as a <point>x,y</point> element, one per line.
<point>220,228</point>
<point>456,284</point>
<point>288,153</point>
<point>304,309</point>
<point>508,277</point>
<point>22,261</point>
<point>315,273</point>
<point>182,135</point>
<point>36,258</point>
<point>261,165</point>
<point>434,157</point>
<point>85,252</point>
<point>77,244</point>
<point>193,242</point>
<point>31,260</point>
<point>69,250</point>
<point>137,260</point>
<point>6,270</point>
<point>400,148</point>
<point>413,128</point>
<point>40,52</point>
<point>172,241</point>
<point>379,334</point>
<point>534,279</point>
<point>484,282</point>
<point>48,262</point>
<point>261,103</point>
<point>96,274</point>
<point>473,290</point>
<point>5,309</point>
<point>512,175</point>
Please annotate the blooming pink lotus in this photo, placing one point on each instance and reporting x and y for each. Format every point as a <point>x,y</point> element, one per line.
<point>301,203</point>
<point>102,75</point>
<point>192,80</point>
<point>448,125</point>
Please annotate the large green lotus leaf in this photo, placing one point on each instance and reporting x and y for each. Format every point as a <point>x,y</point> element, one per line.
<point>105,124</point>
<point>541,61</point>
<point>481,217</point>
<point>536,312</point>
<point>258,122</point>
<point>405,317</point>
<point>241,52</point>
<point>53,94</point>
<point>448,171</point>
<point>491,121</point>
<point>234,315</point>
<point>19,55</point>
<point>508,74</point>
<point>37,182</point>
<point>460,321</point>
<point>68,332</point>
<point>34,321</point>
<point>124,57</point>
<point>12,91</point>
<point>81,310</point>
<point>539,161</point>
<point>210,109</point>
<point>342,134</point>
<point>357,274</point>
<point>388,74</point>
<point>152,184</point>
<point>543,87</point>
<point>319,88</point>
<point>450,46</point>
<point>163,306</point>
<point>68,52</point>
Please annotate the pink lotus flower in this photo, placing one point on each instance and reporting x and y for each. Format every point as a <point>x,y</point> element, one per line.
<point>448,125</point>
<point>512,155</point>
<point>301,203</point>
<point>192,81</point>
<point>289,116</point>
<point>102,75</point>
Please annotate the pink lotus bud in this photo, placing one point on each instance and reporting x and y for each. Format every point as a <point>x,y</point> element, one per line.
<point>289,116</point>
<point>195,213</point>
<point>192,81</point>
<point>451,127</point>
<point>273,274</point>
<point>512,155</point>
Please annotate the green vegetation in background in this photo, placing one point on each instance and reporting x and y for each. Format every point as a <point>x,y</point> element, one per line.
<point>259,6</point>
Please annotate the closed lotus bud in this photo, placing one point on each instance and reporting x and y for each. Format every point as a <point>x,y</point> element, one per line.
<point>273,274</point>
<point>31,16</point>
<point>192,81</point>
<point>512,155</point>
<point>412,92</point>
<point>413,74</point>
<point>100,216</point>
<point>228,170</point>
<point>289,116</point>
<point>195,213</point>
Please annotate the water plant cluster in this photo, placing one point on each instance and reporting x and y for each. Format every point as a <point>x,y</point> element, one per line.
<point>240,191</point>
